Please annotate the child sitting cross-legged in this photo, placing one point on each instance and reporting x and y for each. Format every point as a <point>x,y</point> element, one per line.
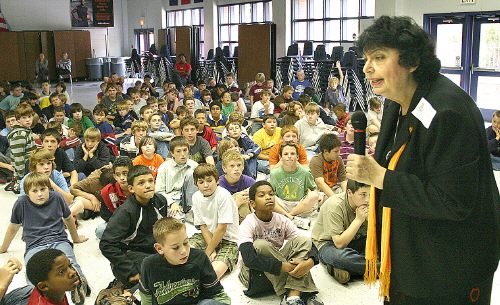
<point>92,154</point>
<point>128,237</point>
<point>124,117</point>
<point>78,117</point>
<point>161,133</point>
<point>262,246</point>
<point>37,211</point>
<point>216,214</point>
<point>175,178</point>
<point>177,265</point>
<point>148,156</point>
<point>249,150</point>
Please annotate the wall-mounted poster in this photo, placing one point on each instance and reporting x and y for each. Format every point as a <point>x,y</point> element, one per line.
<point>91,13</point>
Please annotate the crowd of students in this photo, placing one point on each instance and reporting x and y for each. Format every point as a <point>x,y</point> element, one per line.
<point>147,163</point>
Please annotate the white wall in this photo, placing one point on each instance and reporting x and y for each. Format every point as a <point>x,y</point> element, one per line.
<point>52,15</point>
<point>150,10</point>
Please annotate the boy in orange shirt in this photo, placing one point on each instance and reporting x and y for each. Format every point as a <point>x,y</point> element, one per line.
<point>148,156</point>
<point>288,133</point>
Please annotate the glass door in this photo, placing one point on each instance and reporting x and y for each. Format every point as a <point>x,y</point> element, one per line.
<point>485,68</point>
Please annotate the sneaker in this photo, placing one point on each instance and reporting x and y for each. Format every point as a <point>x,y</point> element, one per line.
<point>295,301</point>
<point>301,222</point>
<point>16,188</point>
<point>314,300</point>
<point>340,275</point>
<point>80,292</point>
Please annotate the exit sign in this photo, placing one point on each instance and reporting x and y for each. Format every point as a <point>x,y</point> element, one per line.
<point>467,1</point>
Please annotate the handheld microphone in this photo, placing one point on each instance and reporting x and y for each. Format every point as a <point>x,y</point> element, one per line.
<point>359,121</point>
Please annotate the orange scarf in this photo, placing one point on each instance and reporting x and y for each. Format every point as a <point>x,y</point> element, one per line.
<point>371,240</point>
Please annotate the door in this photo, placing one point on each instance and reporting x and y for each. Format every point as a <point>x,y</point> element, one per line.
<point>144,38</point>
<point>468,45</point>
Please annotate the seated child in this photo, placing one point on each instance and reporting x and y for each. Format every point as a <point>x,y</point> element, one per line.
<point>175,124</point>
<point>249,150</point>
<point>177,265</point>
<point>92,153</point>
<point>227,144</point>
<point>129,144</point>
<point>311,128</point>
<point>216,120</point>
<point>266,138</point>
<point>114,193</point>
<point>260,109</point>
<point>59,115</point>
<point>239,103</point>
<point>347,142</point>
<point>152,102</point>
<point>36,211</point>
<point>10,122</point>
<point>110,100</point>
<point>70,141</point>
<point>175,178</point>
<point>7,273</point>
<point>374,116</point>
<point>161,133</point>
<point>50,141</point>
<point>340,232</point>
<point>128,237</point>
<point>190,105</point>
<point>199,149</point>
<point>204,130</point>
<point>235,181</point>
<point>262,245</point>
<point>288,133</point>
<point>138,102</point>
<point>166,115</point>
<point>228,106</point>
<point>206,98</point>
<point>48,111</point>
<point>76,110</point>
<point>64,98</point>
<point>148,156</point>
<point>340,111</point>
<point>493,136</point>
<point>327,167</point>
<point>216,214</point>
<point>123,117</point>
<point>295,188</point>
<point>100,95</point>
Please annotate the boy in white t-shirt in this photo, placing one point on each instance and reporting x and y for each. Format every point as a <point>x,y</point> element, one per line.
<point>263,248</point>
<point>260,109</point>
<point>216,215</point>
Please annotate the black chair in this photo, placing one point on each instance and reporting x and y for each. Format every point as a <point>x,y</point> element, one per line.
<point>308,49</point>
<point>350,61</point>
<point>337,53</point>
<point>210,54</point>
<point>293,50</point>
<point>226,52</point>
<point>235,52</point>
<point>320,53</point>
<point>356,50</point>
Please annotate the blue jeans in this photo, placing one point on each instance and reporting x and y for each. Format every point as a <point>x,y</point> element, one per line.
<point>64,246</point>
<point>263,166</point>
<point>100,230</point>
<point>19,296</point>
<point>495,161</point>
<point>209,302</point>
<point>347,258</point>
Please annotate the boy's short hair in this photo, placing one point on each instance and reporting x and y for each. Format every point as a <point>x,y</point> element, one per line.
<point>287,88</point>
<point>136,171</point>
<point>311,108</point>
<point>253,189</point>
<point>200,111</point>
<point>144,92</point>
<point>138,125</point>
<point>122,161</point>
<point>145,141</point>
<point>287,128</point>
<point>98,109</point>
<point>63,97</point>
<point>354,186</point>
<point>266,92</point>
<point>164,226</point>
<point>215,103</point>
<point>38,155</point>
<point>40,264</point>
<point>23,110</point>
<point>75,107</point>
<point>24,99</point>
<point>496,114</point>
<point>59,109</point>
<point>205,170</point>
<point>92,133</point>
<point>178,141</point>
<point>180,110</point>
<point>174,91</point>
<point>304,99</point>
<point>56,125</point>
<point>106,176</point>
<point>151,100</point>
<point>189,121</point>
<point>205,92</point>
<point>134,91</point>
<point>327,142</point>
<point>235,96</point>
<point>233,122</point>
<point>339,107</point>
<point>162,101</point>
<point>231,155</point>
<point>374,102</point>
<point>236,116</point>
<point>111,86</point>
<point>10,114</point>
<point>144,108</point>
<point>122,105</point>
<point>51,132</point>
<point>268,117</point>
<point>260,77</point>
<point>224,145</point>
<point>62,85</point>
<point>151,116</point>
<point>288,143</point>
<point>53,95</point>
<point>230,74</point>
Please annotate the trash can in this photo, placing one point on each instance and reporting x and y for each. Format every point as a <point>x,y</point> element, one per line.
<point>106,66</point>
<point>94,67</point>
<point>118,66</point>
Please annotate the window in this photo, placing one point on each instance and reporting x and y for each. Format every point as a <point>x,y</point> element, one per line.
<point>189,17</point>
<point>143,39</point>
<point>230,16</point>
<point>328,22</point>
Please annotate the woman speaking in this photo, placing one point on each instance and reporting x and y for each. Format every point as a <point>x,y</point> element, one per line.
<point>433,217</point>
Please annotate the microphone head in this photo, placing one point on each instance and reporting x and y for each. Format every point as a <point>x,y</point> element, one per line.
<point>358,120</point>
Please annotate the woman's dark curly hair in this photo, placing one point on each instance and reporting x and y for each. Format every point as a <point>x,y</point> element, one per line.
<point>416,48</point>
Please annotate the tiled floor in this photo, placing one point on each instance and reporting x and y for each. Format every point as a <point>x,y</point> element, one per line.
<point>98,272</point>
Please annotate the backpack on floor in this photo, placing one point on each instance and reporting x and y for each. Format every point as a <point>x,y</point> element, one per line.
<point>113,295</point>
